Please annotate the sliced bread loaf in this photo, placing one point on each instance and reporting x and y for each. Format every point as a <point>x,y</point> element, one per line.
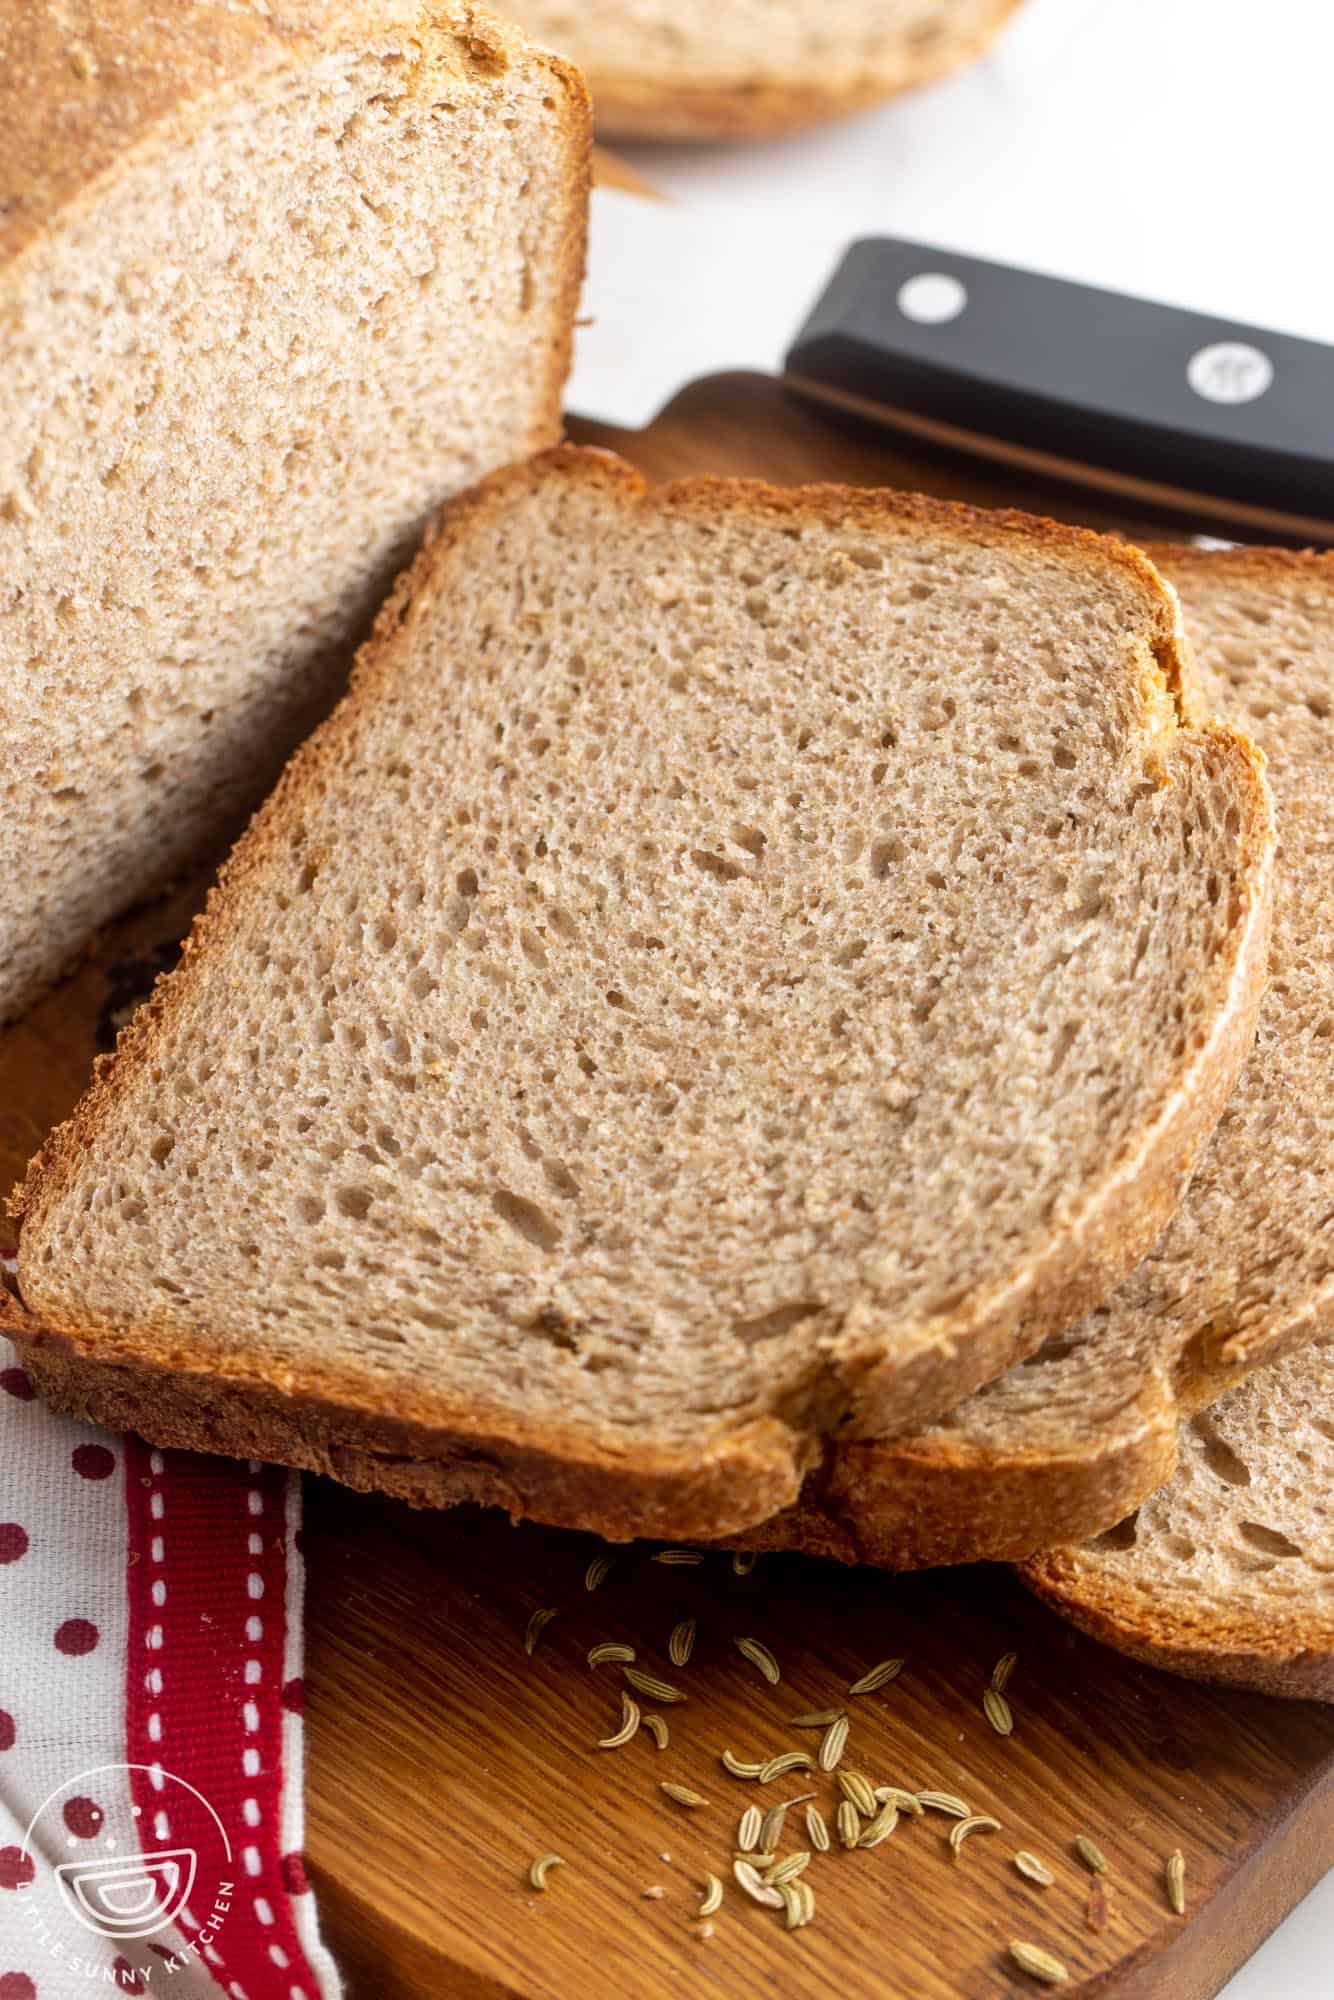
<point>740,964</point>
<point>272,282</point>
<point>1068,1442</point>
<point>1226,1573</point>
<point>660,69</point>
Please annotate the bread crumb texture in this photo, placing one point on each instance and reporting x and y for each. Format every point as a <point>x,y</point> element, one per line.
<point>1067,1442</point>
<point>266,296</point>
<point>724,950</point>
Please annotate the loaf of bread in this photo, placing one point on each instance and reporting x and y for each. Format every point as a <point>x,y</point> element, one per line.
<point>744,68</point>
<point>272,282</point>
<point>1067,1443</point>
<point>739,965</point>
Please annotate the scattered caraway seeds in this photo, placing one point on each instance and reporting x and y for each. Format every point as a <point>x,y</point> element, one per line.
<point>748,1829</point>
<point>1095,1913</point>
<point>1035,1870</point>
<point>743,1562</point>
<point>610,1649</point>
<point>629,1725</point>
<point>759,1859</point>
<point>682,1643</point>
<point>997,1711</point>
<point>819,1718</point>
<point>787,1870</point>
<point>1000,1673</point>
<point>537,1624</point>
<point>1039,1964</point>
<point>713,1896</point>
<point>880,1827</point>
<point>975,1823</point>
<point>858,1788</point>
<point>537,1873</point>
<point>944,1802</point>
<point>682,1794</point>
<point>648,1684</point>
<point>799,1903</point>
<point>878,1677</point>
<point>1176,1881</point>
<point>771,1827</point>
<point>654,1894</point>
<point>833,1743</point>
<point>748,1877</point>
<point>816,1830</point>
<point>894,1795</point>
<point>682,1558</point>
<point>657,1728</point>
<point>849,1824</point>
<point>596,1573</point>
<point>1090,1854</point>
<point>738,1767</point>
<point>759,1656</point>
<point>787,1760</point>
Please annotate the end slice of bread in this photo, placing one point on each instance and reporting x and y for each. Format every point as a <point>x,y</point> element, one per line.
<point>740,965</point>
<point>749,68</point>
<point>273,282</point>
<point>1226,1573</point>
<point>1065,1444</point>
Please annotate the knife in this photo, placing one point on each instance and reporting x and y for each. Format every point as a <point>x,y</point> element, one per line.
<point>1144,401</point>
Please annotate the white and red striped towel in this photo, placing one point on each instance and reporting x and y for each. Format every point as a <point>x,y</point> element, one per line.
<point>150,1719</point>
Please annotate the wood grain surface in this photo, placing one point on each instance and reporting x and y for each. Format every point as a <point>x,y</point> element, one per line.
<point>443,1758</point>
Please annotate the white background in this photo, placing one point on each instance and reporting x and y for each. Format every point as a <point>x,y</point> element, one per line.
<point>1181,149</point>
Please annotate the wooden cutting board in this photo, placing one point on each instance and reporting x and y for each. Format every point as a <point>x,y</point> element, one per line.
<point>443,1758</point>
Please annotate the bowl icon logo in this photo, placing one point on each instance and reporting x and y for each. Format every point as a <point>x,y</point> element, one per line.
<point>133,1896</point>
<point>133,1851</point>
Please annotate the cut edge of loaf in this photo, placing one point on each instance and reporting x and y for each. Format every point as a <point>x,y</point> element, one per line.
<point>144,91</point>
<point>102,1372</point>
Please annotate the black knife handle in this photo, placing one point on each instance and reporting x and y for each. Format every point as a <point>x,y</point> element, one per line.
<point>1035,368</point>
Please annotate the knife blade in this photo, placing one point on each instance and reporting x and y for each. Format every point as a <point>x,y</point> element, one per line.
<point>1146,401</point>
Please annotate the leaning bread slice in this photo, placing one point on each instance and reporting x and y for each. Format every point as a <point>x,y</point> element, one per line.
<point>661,69</point>
<point>273,282</point>
<point>1227,1573</point>
<point>740,964</point>
<point>1068,1442</point>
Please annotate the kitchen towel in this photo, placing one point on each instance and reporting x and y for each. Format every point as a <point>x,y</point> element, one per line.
<point>151,1735</point>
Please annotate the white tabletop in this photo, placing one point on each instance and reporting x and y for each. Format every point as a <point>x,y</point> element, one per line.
<point>1180,149</point>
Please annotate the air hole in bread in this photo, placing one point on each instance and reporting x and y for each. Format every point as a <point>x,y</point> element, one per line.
<point>1117,1540</point>
<point>1219,1456</point>
<point>1268,1541</point>
<point>771,1325</point>
<point>526,1218</point>
<point>716,865</point>
<point>354,1201</point>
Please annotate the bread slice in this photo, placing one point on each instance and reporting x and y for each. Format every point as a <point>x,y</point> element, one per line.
<point>740,964</point>
<point>273,281</point>
<point>742,69</point>
<point>1227,1572</point>
<point>1068,1442</point>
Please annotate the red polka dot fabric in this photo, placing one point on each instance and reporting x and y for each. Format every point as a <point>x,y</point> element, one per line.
<point>150,1709</point>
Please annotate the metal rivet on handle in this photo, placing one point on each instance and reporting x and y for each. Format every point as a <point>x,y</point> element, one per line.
<point>1229,371</point>
<point>931,298</point>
